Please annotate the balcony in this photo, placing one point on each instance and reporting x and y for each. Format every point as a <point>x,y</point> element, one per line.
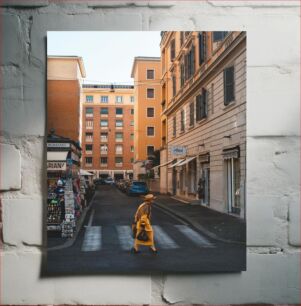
<point>118,139</point>
<point>104,165</point>
<point>89,152</point>
<point>118,152</point>
<point>88,165</point>
<point>118,164</point>
<point>89,115</point>
<point>103,152</point>
<point>89,139</point>
<point>104,139</point>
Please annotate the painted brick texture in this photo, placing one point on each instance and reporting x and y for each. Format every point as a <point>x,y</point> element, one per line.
<point>273,135</point>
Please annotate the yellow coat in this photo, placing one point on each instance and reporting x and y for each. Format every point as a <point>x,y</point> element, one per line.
<point>142,219</point>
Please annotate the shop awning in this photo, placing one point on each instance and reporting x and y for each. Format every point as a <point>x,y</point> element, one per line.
<point>176,164</point>
<point>84,172</point>
<point>162,165</point>
<point>186,161</point>
<point>57,156</point>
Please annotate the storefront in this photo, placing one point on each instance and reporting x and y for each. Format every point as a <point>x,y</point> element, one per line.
<point>64,186</point>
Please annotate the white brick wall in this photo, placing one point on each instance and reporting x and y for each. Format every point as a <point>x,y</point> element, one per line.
<point>273,96</point>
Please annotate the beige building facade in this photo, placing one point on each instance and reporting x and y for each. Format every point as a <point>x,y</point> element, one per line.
<point>108,130</point>
<point>146,72</point>
<point>203,156</point>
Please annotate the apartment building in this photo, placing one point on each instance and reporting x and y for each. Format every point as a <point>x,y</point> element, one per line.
<point>203,155</point>
<point>64,79</point>
<point>108,130</point>
<point>146,72</point>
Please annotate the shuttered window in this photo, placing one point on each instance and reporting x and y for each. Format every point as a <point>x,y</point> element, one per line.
<point>182,74</point>
<point>202,105</point>
<point>191,114</point>
<point>202,48</point>
<point>174,130</point>
<point>217,36</point>
<point>172,50</point>
<point>229,85</point>
<point>182,120</point>
<point>174,85</point>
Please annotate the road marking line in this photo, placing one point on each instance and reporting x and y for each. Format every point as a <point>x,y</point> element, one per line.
<point>194,236</point>
<point>92,239</point>
<point>125,237</point>
<point>164,239</point>
<point>91,217</point>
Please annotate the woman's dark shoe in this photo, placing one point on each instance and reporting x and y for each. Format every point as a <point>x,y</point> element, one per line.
<point>154,251</point>
<point>135,251</point>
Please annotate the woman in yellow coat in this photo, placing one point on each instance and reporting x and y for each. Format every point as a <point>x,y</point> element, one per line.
<point>142,220</point>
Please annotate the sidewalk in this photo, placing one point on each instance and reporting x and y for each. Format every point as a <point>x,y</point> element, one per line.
<point>215,224</point>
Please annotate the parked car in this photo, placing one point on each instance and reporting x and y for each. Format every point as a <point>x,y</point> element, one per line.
<point>109,181</point>
<point>137,188</point>
<point>99,181</point>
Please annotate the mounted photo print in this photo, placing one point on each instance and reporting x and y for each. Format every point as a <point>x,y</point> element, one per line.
<point>146,152</point>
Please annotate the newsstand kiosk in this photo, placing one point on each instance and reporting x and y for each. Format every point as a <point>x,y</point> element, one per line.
<point>63,164</point>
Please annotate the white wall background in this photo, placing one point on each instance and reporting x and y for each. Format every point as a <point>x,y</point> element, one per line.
<point>273,131</point>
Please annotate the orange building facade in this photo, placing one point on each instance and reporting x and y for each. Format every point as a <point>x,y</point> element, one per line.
<point>108,130</point>
<point>203,155</point>
<point>64,78</point>
<point>146,72</point>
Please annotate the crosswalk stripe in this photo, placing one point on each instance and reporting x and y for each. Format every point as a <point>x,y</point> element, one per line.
<point>125,237</point>
<point>92,239</point>
<point>163,239</point>
<point>193,236</point>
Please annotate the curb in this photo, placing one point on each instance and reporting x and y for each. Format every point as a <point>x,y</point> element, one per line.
<point>196,225</point>
<point>70,242</point>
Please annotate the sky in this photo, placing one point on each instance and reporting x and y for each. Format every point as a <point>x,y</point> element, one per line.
<point>108,56</point>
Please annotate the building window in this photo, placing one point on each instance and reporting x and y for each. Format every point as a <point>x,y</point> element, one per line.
<point>103,160</point>
<point>132,122</point>
<point>174,126</point>
<point>119,111</point>
<point>182,74</point>
<point>132,111</point>
<point>104,111</point>
<point>132,99</point>
<point>89,147</point>
<point>182,120</point>
<point>119,137</point>
<point>150,150</point>
<point>229,85</point>
<point>118,160</point>
<point>104,137</point>
<point>172,50</point>
<point>202,47</point>
<point>189,61</point>
<point>89,99</point>
<point>132,148</point>
<point>191,114</point>
<point>89,136</point>
<point>119,123</point>
<point>104,99</point>
<point>150,112</point>
<point>202,105</point>
<point>104,149</point>
<point>118,149</point>
<point>218,36</point>
<point>150,74</point>
<point>89,111</point>
<point>150,131</point>
<point>89,160</point>
<point>132,160</point>
<point>118,99</point>
<point>150,93</point>
<point>181,38</point>
<point>132,136</point>
<point>174,85</point>
<point>104,123</point>
<point>89,124</point>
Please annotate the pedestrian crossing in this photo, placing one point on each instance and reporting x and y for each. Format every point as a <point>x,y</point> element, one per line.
<point>182,236</point>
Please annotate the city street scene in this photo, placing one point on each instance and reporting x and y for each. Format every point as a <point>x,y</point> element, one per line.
<point>146,152</point>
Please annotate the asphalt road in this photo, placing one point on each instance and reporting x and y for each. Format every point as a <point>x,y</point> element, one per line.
<point>104,243</point>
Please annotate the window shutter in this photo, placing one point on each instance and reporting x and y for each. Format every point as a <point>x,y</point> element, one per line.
<point>205,101</point>
<point>228,85</point>
<point>192,59</point>
<point>191,113</point>
<point>198,107</point>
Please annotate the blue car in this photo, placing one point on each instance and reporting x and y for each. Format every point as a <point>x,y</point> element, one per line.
<point>137,187</point>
